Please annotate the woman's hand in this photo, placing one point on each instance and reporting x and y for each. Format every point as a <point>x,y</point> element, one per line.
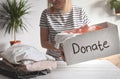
<point>63,56</point>
<point>62,52</point>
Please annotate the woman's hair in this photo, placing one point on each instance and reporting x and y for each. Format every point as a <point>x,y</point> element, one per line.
<point>67,6</point>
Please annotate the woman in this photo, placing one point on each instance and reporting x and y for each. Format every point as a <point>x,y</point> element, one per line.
<point>59,16</point>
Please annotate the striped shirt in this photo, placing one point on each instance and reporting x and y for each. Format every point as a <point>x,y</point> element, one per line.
<point>57,22</point>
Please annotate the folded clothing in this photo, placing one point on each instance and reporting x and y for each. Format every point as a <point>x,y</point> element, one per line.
<point>41,65</point>
<point>10,71</point>
<point>24,54</point>
<point>37,66</point>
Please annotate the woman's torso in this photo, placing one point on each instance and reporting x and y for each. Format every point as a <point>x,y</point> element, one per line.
<point>58,22</point>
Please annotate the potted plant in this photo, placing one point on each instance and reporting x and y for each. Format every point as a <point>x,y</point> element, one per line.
<point>12,13</point>
<point>115,5</point>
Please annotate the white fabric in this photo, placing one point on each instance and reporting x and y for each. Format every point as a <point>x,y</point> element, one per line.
<point>41,65</point>
<point>24,54</point>
<point>61,37</point>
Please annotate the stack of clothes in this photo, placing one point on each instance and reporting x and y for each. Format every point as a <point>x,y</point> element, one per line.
<point>23,61</point>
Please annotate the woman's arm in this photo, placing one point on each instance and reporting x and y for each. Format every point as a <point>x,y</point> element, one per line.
<point>46,44</point>
<point>44,40</point>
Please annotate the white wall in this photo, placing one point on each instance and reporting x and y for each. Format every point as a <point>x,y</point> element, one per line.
<point>97,11</point>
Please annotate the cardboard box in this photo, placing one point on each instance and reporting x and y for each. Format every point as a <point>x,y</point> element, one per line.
<point>92,45</point>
